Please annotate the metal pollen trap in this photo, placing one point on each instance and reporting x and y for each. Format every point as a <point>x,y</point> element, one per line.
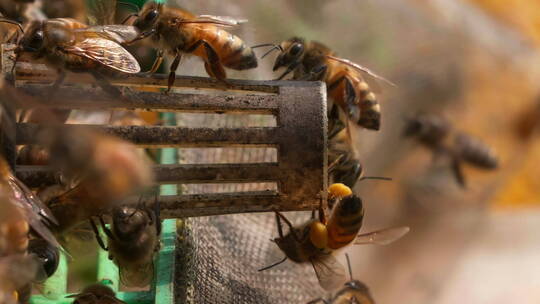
<point>300,136</point>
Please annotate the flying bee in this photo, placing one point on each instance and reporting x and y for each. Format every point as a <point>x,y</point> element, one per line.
<point>317,239</point>
<point>66,44</point>
<point>96,294</point>
<point>437,134</point>
<point>180,32</point>
<point>133,240</point>
<point>354,291</point>
<point>346,86</point>
<point>99,170</point>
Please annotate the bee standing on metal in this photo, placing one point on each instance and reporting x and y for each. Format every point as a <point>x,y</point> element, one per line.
<point>354,292</point>
<point>133,240</point>
<point>317,239</point>
<point>312,60</point>
<point>437,134</point>
<point>180,32</point>
<point>66,44</point>
<point>96,294</point>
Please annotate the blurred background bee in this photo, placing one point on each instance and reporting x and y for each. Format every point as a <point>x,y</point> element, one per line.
<point>98,171</point>
<point>312,60</point>
<point>180,32</point>
<point>96,294</point>
<point>132,242</point>
<point>354,291</point>
<point>437,134</point>
<point>316,240</point>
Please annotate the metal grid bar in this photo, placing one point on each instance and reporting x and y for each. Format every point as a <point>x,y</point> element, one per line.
<point>300,136</point>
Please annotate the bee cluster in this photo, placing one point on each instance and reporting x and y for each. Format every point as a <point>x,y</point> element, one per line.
<point>100,175</point>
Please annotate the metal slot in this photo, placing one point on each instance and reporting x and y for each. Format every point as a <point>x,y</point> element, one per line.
<point>299,137</point>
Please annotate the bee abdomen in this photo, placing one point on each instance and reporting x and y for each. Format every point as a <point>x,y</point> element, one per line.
<point>236,54</point>
<point>345,222</point>
<point>475,152</point>
<point>370,112</point>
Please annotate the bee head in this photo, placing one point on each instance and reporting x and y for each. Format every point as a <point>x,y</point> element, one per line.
<point>33,39</point>
<point>293,50</point>
<point>47,255</point>
<point>128,221</point>
<point>148,16</point>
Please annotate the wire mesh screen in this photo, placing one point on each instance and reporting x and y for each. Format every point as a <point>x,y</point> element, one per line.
<point>218,256</point>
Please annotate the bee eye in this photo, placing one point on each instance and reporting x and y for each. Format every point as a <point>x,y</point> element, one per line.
<point>151,16</point>
<point>36,41</point>
<point>296,49</point>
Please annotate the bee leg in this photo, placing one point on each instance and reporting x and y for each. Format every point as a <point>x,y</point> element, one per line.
<point>335,123</point>
<point>458,172</point>
<point>107,231</point>
<point>106,85</point>
<point>98,237</point>
<point>317,74</point>
<point>290,68</point>
<point>157,63</point>
<point>172,71</point>
<point>291,227</point>
<point>214,64</point>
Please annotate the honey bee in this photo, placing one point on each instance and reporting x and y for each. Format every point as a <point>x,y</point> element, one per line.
<point>180,32</point>
<point>132,243</point>
<point>344,165</point>
<point>346,86</point>
<point>353,292</point>
<point>99,170</point>
<point>437,134</point>
<point>66,44</point>
<point>96,294</point>
<point>317,239</point>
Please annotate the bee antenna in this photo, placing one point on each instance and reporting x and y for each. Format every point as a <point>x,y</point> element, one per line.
<point>349,265</point>
<point>132,5</point>
<point>129,17</point>
<point>13,22</point>
<point>273,265</point>
<point>274,47</point>
<point>376,177</point>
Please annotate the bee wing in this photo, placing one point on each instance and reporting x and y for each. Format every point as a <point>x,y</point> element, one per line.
<point>222,20</point>
<point>381,237</point>
<point>329,271</point>
<point>136,276</point>
<point>361,69</point>
<point>116,32</point>
<point>34,210</point>
<point>106,52</point>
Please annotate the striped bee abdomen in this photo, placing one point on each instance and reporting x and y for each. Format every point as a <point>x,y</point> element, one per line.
<point>345,221</point>
<point>233,51</point>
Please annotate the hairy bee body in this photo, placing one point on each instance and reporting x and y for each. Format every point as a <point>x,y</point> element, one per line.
<point>345,222</point>
<point>437,134</point>
<point>475,152</point>
<point>180,32</point>
<point>132,243</point>
<point>312,60</point>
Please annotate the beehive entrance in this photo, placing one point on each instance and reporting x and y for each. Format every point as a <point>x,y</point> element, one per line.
<point>299,136</point>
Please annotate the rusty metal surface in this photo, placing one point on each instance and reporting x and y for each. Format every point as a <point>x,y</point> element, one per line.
<point>299,136</point>
<point>199,103</point>
<point>37,176</point>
